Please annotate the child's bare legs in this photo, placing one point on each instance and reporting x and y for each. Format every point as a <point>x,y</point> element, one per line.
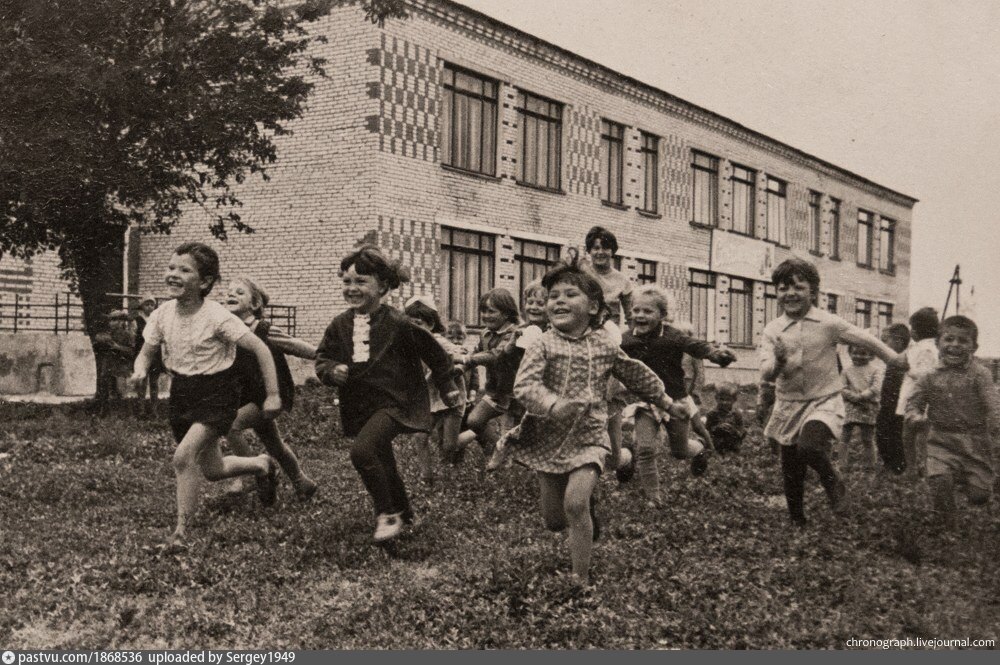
<point>565,500</point>
<point>249,417</point>
<point>646,468</point>
<point>422,444</point>
<point>238,445</point>
<point>198,456</point>
<point>478,423</point>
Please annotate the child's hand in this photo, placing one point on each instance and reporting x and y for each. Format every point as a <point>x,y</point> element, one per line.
<point>722,357</point>
<point>565,409</point>
<point>271,407</point>
<point>679,411</point>
<point>780,352</point>
<point>339,374</point>
<point>452,397</point>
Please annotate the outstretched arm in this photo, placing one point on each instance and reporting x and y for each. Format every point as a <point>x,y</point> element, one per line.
<point>254,344</point>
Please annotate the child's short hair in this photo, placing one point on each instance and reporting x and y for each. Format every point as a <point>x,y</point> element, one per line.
<point>369,260</point>
<point>789,269</point>
<point>657,293</point>
<point>924,323</point>
<point>534,288</point>
<point>962,323</point>
<point>571,273</point>
<point>851,348</point>
<point>728,390</point>
<point>900,331</point>
<point>501,300</point>
<point>419,309</point>
<point>258,296</point>
<point>607,238</point>
<point>205,259</point>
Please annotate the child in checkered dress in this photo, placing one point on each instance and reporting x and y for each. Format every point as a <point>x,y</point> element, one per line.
<point>562,384</point>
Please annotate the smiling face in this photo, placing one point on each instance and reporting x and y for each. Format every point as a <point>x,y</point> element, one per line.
<point>795,297</point>
<point>895,342</point>
<point>569,309</point>
<point>600,256</point>
<point>956,346</point>
<point>362,292</point>
<point>860,356</point>
<point>491,317</point>
<point>183,280</point>
<point>646,314</point>
<point>240,300</point>
<point>455,335</point>
<point>534,309</point>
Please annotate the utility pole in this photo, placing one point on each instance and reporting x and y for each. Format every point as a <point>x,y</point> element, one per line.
<point>955,284</point>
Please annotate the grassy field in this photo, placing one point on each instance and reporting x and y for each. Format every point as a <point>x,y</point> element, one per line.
<point>85,501</point>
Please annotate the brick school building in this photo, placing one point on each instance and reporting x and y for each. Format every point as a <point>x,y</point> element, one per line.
<point>479,155</point>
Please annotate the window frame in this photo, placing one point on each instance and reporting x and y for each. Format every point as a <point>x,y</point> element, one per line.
<point>702,326</point>
<point>651,172</point>
<point>449,248</point>
<point>553,121</point>
<point>750,182</point>
<point>835,210</point>
<point>815,222</point>
<point>887,238</point>
<point>776,203</point>
<point>521,260</point>
<point>712,174</point>
<point>834,300</point>
<point>747,293</point>
<point>770,303</point>
<point>612,154</point>
<point>450,147</point>
<point>643,274</point>
<point>863,307</point>
<point>866,219</point>
<point>884,315</point>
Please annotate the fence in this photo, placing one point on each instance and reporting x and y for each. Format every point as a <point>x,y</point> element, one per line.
<point>61,316</point>
<point>65,313</point>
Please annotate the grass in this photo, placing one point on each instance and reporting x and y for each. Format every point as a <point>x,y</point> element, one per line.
<point>84,501</point>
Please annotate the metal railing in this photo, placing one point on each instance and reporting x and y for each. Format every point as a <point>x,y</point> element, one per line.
<point>64,314</point>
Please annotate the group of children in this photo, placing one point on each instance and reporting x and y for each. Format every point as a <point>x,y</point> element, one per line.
<point>562,373</point>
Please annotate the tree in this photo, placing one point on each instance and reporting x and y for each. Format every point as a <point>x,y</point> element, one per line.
<point>124,112</point>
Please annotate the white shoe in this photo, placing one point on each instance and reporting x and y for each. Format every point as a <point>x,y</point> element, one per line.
<point>387,527</point>
<point>234,486</point>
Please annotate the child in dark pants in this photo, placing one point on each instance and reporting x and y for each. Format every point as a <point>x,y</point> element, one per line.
<point>725,423</point>
<point>889,425</point>
<point>373,354</point>
<point>799,353</point>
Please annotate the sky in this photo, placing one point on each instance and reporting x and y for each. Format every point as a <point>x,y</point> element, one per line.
<point>903,92</point>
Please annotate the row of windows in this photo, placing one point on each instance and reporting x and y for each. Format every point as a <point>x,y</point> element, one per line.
<point>469,259</point>
<point>702,290</point>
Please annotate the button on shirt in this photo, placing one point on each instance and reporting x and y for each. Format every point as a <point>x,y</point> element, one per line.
<point>811,371</point>
<point>200,343</point>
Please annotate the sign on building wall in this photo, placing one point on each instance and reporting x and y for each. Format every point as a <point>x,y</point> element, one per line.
<point>740,256</point>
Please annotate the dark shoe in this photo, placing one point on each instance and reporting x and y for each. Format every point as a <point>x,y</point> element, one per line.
<point>593,517</point>
<point>799,521</point>
<point>305,488</point>
<point>626,472</point>
<point>699,464</point>
<point>267,484</point>
<point>408,516</point>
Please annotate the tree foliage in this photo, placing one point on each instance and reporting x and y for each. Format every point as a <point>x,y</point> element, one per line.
<point>125,112</point>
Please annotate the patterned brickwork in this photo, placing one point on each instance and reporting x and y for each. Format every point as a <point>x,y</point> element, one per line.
<point>408,93</point>
<point>583,159</point>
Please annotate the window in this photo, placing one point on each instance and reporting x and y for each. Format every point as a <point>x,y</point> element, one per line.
<point>884,316</point>
<point>612,143</point>
<point>651,172</point>
<point>646,271</point>
<point>740,312</point>
<point>533,260</point>
<point>865,238</point>
<point>468,121</point>
<point>468,272</point>
<point>815,222</point>
<point>770,303</point>
<point>743,196</point>
<point>777,211</point>
<point>705,171</point>
<point>834,228</point>
<point>863,313</point>
<point>702,287</point>
<point>541,141</point>
<point>887,246</point>
<point>832,303</point>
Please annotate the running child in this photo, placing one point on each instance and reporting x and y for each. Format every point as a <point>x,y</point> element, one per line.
<point>247,301</point>
<point>888,425</point>
<point>662,347</point>
<point>799,353</point>
<point>498,312</point>
<point>960,404</point>
<point>372,353</point>
<point>446,420</point>
<point>197,340</point>
<point>862,390</point>
<point>725,423</point>
<point>921,358</point>
<point>562,383</point>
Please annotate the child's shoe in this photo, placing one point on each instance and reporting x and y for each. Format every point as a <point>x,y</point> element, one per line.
<point>267,484</point>
<point>626,466</point>
<point>234,486</point>
<point>387,527</point>
<point>699,464</point>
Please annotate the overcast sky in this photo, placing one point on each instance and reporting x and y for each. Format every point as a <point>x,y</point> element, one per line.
<point>905,93</point>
